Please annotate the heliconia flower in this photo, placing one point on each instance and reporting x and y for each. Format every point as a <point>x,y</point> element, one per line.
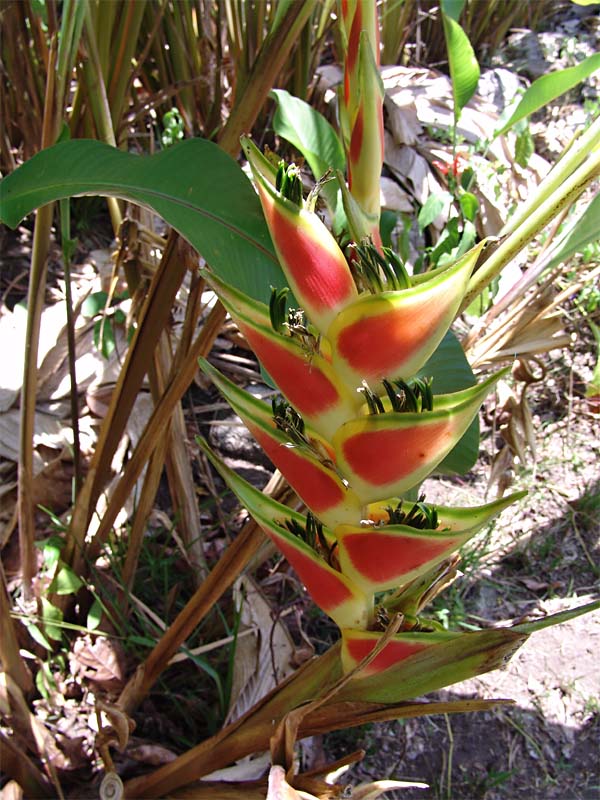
<point>362,114</point>
<point>317,484</point>
<point>311,259</point>
<point>336,594</point>
<point>306,379</point>
<point>384,455</point>
<point>392,334</point>
<point>383,557</point>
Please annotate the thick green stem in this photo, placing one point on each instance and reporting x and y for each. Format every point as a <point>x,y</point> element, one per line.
<point>563,169</point>
<point>568,190</point>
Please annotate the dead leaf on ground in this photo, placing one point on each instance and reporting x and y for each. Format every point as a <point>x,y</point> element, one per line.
<point>155,755</point>
<point>101,662</point>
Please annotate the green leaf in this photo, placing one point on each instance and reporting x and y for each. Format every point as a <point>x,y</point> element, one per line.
<point>51,549</point>
<point>464,69</point>
<point>311,134</point>
<point>453,8</point>
<point>94,304</point>
<point>94,616</point>
<point>524,146</point>
<point>432,207</point>
<point>66,581</point>
<point>194,186</point>
<point>104,337</point>
<point>469,206</point>
<point>387,222</point>
<point>53,618</point>
<point>547,88</point>
<point>38,636</point>
<point>452,372</point>
<point>44,681</point>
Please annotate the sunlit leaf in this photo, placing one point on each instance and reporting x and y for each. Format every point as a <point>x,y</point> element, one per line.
<point>464,69</point>
<point>66,581</point>
<point>547,88</point>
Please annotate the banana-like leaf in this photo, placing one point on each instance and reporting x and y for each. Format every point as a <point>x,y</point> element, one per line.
<point>384,455</point>
<point>392,334</point>
<point>303,466</point>
<point>336,594</point>
<point>194,186</point>
<point>464,69</point>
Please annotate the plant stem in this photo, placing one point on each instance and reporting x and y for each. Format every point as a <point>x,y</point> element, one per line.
<point>569,189</point>
<point>35,302</point>
<point>562,170</point>
<point>12,661</point>
<point>272,56</point>
<point>65,231</point>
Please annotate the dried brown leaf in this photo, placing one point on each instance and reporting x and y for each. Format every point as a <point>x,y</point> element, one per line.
<point>101,662</point>
<point>262,659</point>
<point>153,754</point>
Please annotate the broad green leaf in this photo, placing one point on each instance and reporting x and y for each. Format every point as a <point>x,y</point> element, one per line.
<point>51,549</point>
<point>547,88</point>
<point>38,636</point>
<point>387,223</point>
<point>194,186</point>
<point>94,304</point>
<point>464,69</point>
<point>524,145</point>
<point>469,205</point>
<point>66,581</point>
<point>311,134</point>
<point>583,232</point>
<point>432,207</point>
<point>452,372</point>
